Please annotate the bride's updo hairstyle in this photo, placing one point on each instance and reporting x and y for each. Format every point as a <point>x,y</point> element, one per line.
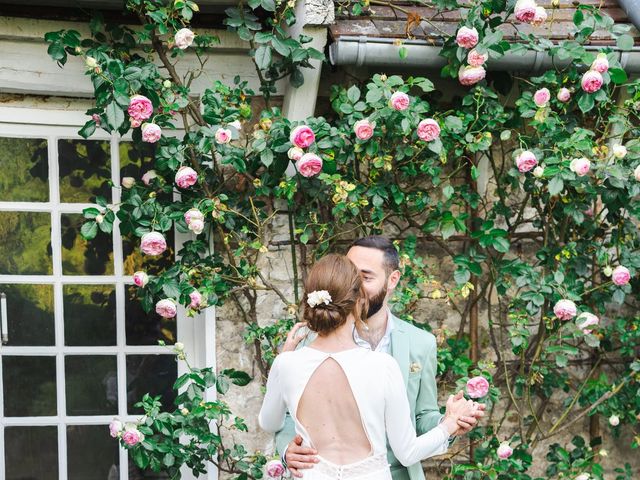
<point>337,275</point>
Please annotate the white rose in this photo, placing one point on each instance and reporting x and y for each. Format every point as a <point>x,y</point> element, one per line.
<point>184,38</point>
<point>619,151</point>
<point>538,171</point>
<point>614,420</point>
<point>91,62</point>
<point>636,173</point>
<point>128,182</point>
<point>99,218</point>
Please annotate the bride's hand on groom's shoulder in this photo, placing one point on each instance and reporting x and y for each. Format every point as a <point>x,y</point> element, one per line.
<point>292,341</point>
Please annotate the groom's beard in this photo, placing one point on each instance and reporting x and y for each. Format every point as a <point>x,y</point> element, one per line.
<point>376,302</point>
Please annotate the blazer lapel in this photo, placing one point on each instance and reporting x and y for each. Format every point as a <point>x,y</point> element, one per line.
<point>400,347</point>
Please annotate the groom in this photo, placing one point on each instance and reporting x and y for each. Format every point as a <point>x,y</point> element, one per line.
<point>413,348</point>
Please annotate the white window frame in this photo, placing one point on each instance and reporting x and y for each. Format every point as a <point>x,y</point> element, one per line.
<point>196,333</point>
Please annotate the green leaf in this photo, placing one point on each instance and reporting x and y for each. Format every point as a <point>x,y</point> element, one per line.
<point>625,42</point>
<point>618,75</point>
<point>56,51</point>
<point>501,244</point>
<point>555,186</point>
<point>266,157</point>
<point>169,460</point>
<point>353,94</point>
<point>263,57</point>
<point>403,52</point>
<point>89,230</point>
<point>296,78</point>
<point>586,102</point>
<point>115,115</point>
<point>87,130</point>
<point>269,5</point>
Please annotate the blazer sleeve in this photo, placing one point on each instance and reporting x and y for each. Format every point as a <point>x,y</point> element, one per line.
<point>406,446</point>
<point>427,411</point>
<point>272,414</point>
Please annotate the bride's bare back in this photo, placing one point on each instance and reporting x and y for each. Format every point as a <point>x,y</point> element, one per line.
<point>329,413</point>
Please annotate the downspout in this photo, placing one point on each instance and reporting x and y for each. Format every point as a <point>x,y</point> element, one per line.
<point>383,52</point>
<point>632,9</point>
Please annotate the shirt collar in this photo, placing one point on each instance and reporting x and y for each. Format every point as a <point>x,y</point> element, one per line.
<point>386,338</point>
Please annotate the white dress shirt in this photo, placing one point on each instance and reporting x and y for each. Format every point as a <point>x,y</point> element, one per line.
<point>384,345</point>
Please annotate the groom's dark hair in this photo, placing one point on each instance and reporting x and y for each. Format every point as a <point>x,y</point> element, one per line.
<point>391,257</point>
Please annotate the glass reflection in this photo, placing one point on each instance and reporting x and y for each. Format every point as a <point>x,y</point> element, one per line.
<point>29,314</point>
<point>89,315</point>
<point>24,170</point>
<point>91,384</point>
<point>85,170</point>
<point>29,386</point>
<point>80,257</point>
<point>91,453</point>
<point>152,374</point>
<point>31,453</point>
<point>26,243</point>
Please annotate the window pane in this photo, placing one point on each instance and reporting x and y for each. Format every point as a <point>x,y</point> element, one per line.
<point>29,386</point>
<point>136,473</point>
<point>152,374</point>
<point>91,453</point>
<point>30,314</point>
<point>26,243</point>
<point>89,315</point>
<point>80,257</point>
<point>85,170</point>
<point>31,453</point>
<point>136,160</point>
<point>135,260</point>
<point>91,384</point>
<point>24,170</point>
<point>145,328</point>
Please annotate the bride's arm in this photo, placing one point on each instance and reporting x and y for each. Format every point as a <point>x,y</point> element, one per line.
<point>274,408</point>
<point>406,446</point>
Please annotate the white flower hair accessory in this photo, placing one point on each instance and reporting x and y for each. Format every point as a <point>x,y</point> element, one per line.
<point>317,297</point>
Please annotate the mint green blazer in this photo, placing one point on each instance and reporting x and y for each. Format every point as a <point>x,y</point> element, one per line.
<point>415,351</point>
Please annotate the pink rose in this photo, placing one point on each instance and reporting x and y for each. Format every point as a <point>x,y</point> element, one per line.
<point>564,95</point>
<point>364,129</point>
<point>132,436</point>
<point>589,320</point>
<point>601,63</point>
<point>467,37</point>
<point>193,214</point>
<point>580,166</point>
<point>428,130</point>
<point>309,165</point>
<point>96,118</point>
<point>166,308</point>
<point>151,133</point>
<point>135,123</point>
<point>620,275</point>
<point>148,176</point>
<point>399,101</point>
<point>542,97</point>
<point>223,135</point>
<point>140,278</point>
<point>295,153</point>
<point>302,136</point>
<point>564,309</point>
<point>274,469</point>
<point>128,182</point>
<point>525,10</point>
<point>540,17</point>
<point>476,59</point>
<point>591,81</point>
<point>153,243</point>
<point>196,299</point>
<point>186,177</point>
<point>504,451</point>
<point>197,226</point>
<point>184,38</point>
<point>468,75</point>
<point>477,387</point>
<point>140,108</point>
<point>115,427</point>
<point>526,161</point>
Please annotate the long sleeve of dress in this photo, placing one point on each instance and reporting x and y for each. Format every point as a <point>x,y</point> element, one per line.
<point>274,408</point>
<point>406,446</point>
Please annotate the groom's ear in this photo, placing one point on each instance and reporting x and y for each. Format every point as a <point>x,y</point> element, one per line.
<point>393,279</point>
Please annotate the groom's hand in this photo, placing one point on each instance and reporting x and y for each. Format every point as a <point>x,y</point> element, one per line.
<point>468,423</point>
<point>299,457</point>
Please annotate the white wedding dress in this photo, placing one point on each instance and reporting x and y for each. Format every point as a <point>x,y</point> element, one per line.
<point>380,397</point>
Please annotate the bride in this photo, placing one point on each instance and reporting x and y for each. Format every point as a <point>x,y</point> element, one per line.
<point>346,400</point>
